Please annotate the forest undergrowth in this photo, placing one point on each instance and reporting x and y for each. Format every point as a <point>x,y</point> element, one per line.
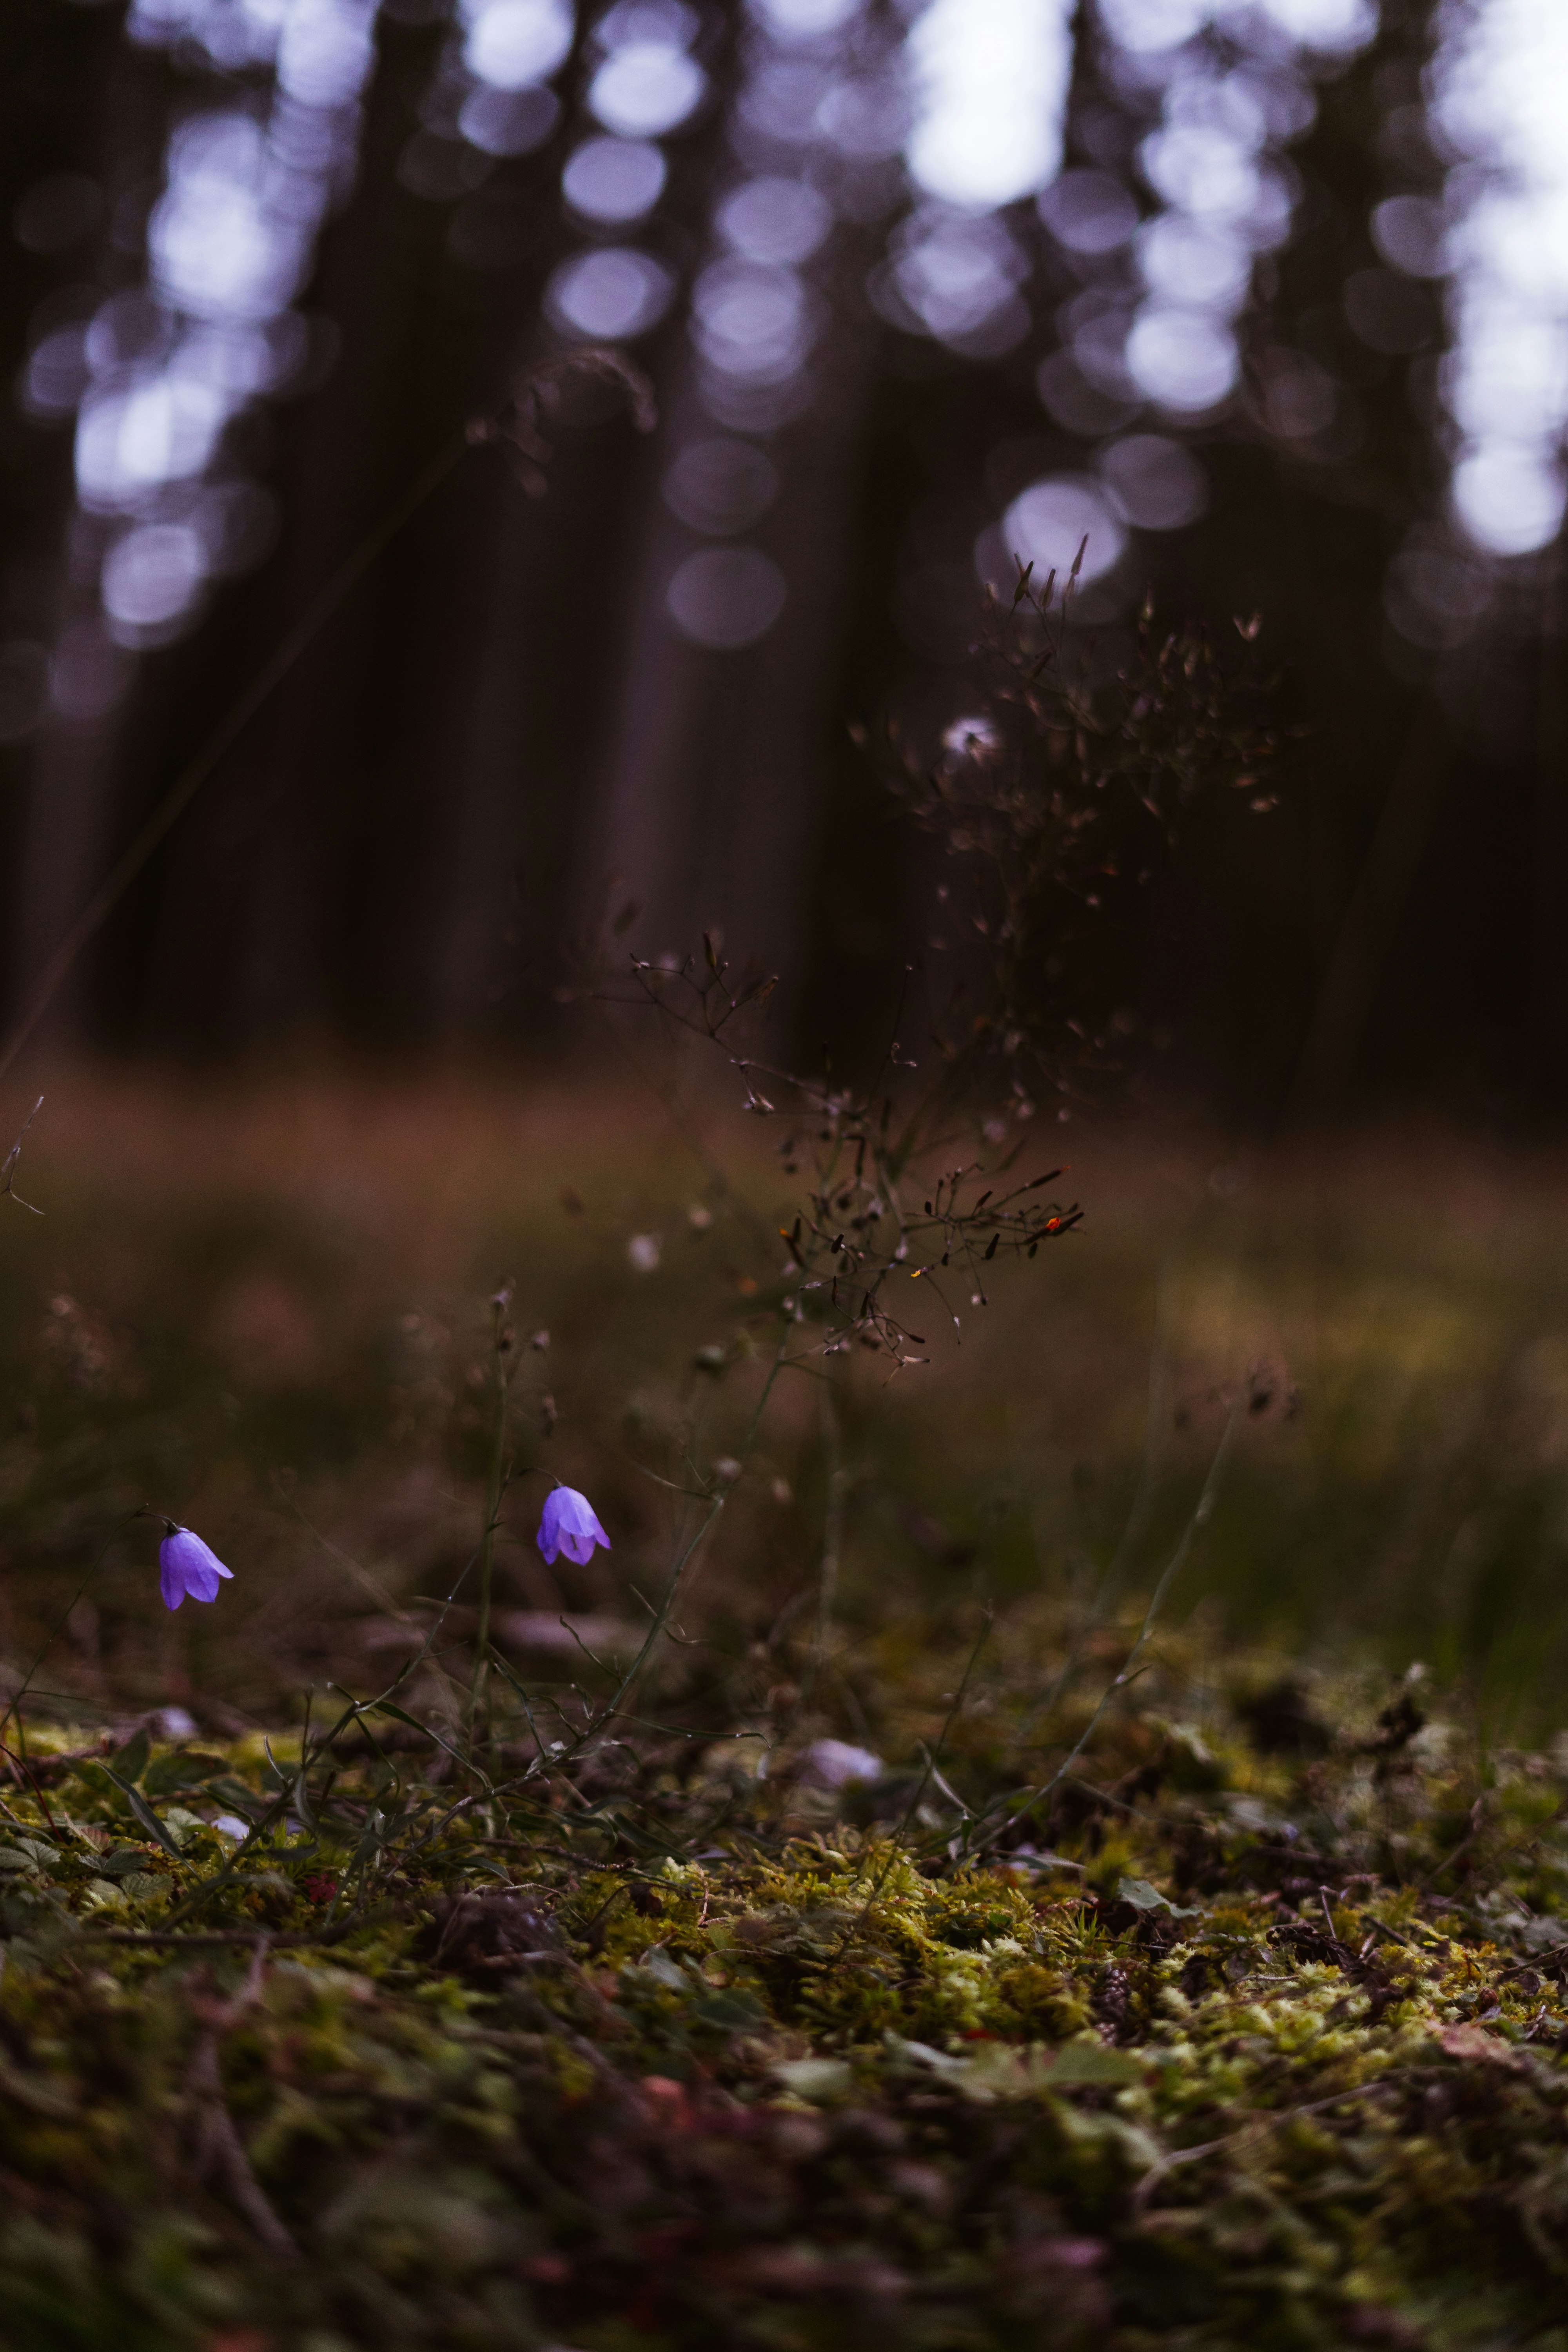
<point>912,1940</point>
<point>1241,2036</point>
<point>963,1867</point>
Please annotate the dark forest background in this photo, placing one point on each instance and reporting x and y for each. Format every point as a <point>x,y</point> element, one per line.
<point>503,716</point>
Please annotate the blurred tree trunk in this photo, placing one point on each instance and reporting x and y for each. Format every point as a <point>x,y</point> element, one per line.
<point>101,104</point>
<point>707,801</point>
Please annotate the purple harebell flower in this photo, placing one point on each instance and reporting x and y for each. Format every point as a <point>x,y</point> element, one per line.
<point>187,1566</point>
<point>568,1525</point>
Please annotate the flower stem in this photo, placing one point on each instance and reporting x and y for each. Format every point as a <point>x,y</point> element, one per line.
<point>832,1528</point>
<point>14,1704</point>
<point>495,1487</point>
<point>1173,1568</point>
<point>682,1559</point>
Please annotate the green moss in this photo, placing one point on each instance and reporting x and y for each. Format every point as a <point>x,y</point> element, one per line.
<point>1176,2071</point>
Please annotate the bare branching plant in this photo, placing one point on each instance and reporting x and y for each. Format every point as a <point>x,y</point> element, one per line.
<point>1057,801</point>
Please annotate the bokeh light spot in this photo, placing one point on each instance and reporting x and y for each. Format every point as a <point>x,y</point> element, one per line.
<point>1153,25</point>
<point>990,79</point>
<point>57,373</point>
<point>610,295</point>
<point>1334,26</point>
<point>1195,263</point>
<point>727,597</point>
<point>776,220</point>
<point>151,577</point>
<point>1496,86</point>
<point>956,278</point>
<point>1185,360</point>
<point>514,42</point>
<point>217,251</point>
<point>646,89</point>
<point>1089,212</point>
<point>1048,522</point>
<point>751,322</point>
<point>509,122</point>
<point>1154,482</point>
<point>1510,498</point>
<point>1201,169</point>
<point>805,20</point>
<point>1411,233</point>
<point>128,443</point>
<point>615,179</point>
<point>324,53</point>
<point>720,485</point>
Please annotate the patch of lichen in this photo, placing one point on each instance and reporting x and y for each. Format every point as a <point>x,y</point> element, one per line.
<point>1220,2044</point>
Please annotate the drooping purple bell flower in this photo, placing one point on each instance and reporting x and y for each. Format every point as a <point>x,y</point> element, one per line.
<point>567,1525</point>
<point>187,1566</point>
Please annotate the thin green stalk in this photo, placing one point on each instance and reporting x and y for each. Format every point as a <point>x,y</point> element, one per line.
<point>896,1845</point>
<point>495,1487</point>
<point>1156,1422</point>
<point>1104,1591</point>
<point>833,1528</point>
<point>683,1560</point>
<point>1173,1566</point>
<point>357,1709</point>
<point>13,1703</point>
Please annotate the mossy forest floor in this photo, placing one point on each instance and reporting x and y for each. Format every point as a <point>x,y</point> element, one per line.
<point>329,2032</point>
<point>1251,2038</point>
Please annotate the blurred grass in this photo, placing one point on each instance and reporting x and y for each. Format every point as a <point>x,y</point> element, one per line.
<point>261,1306</point>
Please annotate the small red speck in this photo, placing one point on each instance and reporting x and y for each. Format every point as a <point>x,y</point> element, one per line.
<point>548,2270</point>
<point>321,1890</point>
<point>669,2101</point>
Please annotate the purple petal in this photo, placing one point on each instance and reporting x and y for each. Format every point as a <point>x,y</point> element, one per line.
<point>202,1556</point>
<point>188,1567</point>
<point>567,1524</point>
